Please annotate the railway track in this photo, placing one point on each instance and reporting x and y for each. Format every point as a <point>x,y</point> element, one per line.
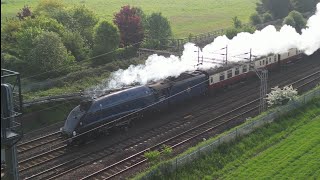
<point>88,158</point>
<point>47,157</point>
<point>186,136</point>
<point>42,158</point>
<point>37,142</point>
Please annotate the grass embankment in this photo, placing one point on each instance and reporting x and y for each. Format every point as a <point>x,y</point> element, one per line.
<point>287,148</point>
<point>39,116</point>
<point>82,78</point>
<point>186,16</point>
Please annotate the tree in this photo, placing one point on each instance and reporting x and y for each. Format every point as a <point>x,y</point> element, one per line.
<point>85,21</point>
<point>48,6</point>
<point>232,32</point>
<point>304,5</point>
<point>64,16</point>
<point>266,17</point>
<point>142,16</point>
<point>158,31</point>
<point>74,42</point>
<point>289,21</point>
<point>236,22</point>
<point>106,39</point>
<point>130,26</point>
<point>9,31</point>
<point>24,12</point>
<point>255,19</point>
<point>296,20</point>
<point>26,38</point>
<point>299,20</point>
<point>48,53</point>
<point>45,23</point>
<point>278,8</point>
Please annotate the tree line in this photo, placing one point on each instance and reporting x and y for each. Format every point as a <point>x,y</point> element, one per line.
<point>269,10</point>
<point>54,36</point>
<point>290,10</point>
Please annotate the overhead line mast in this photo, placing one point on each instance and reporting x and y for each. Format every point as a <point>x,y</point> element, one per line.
<point>262,73</point>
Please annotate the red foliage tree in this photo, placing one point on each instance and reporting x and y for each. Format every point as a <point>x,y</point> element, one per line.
<point>24,12</point>
<point>130,26</point>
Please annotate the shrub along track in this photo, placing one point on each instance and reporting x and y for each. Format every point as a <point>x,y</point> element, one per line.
<point>202,111</point>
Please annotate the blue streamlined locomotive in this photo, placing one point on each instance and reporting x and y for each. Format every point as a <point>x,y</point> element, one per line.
<point>127,103</point>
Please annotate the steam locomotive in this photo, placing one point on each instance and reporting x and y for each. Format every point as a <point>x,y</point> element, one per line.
<point>120,108</point>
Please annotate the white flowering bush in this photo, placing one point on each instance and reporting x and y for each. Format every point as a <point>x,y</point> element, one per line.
<point>279,96</point>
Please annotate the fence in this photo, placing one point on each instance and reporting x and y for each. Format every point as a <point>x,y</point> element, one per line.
<point>239,131</point>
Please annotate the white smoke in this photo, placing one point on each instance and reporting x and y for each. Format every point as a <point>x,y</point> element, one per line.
<point>263,42</point>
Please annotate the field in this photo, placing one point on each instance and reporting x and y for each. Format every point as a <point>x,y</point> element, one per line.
<point>186,16</point>
<point>289,148</point>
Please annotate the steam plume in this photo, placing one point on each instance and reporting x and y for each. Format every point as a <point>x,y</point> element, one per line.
<point>263,42</point>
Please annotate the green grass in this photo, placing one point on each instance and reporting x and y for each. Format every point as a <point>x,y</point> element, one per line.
<point>186,16</point>
<point>298,156</point>
<point>287,148</point>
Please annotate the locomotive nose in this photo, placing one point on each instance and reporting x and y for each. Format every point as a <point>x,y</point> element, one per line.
<point>72,122</point>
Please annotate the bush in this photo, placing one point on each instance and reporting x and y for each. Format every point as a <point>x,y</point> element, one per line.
<point>266,17</point>
<point>255,19</point>
<point>74,42</point>
<point>247,28</point>
<point>166,150</point>
<point>152,156</point>
<point>49,53</point>
<point>231,32</point>
<point>279,96</point>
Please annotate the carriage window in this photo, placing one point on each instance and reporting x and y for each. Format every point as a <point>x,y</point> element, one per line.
<point>244,68</point>
<point>211,80</point>
<point>236,72</point>
<point>275,58</point>
<point>221,76</point>
<point>229,73</point>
